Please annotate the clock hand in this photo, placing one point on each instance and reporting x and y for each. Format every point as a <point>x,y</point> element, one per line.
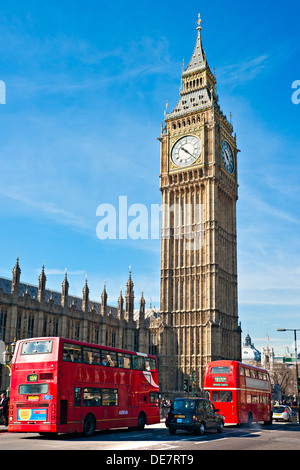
<point>186,151</point>
<point>227,158</point>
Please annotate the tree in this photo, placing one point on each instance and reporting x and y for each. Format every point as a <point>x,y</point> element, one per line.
<point>284,376</point>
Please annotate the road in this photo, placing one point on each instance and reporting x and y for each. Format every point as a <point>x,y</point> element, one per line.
<point>156,439</point>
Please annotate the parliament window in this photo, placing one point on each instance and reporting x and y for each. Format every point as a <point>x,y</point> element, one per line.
<point>30,326</point>
<point>3,317</point>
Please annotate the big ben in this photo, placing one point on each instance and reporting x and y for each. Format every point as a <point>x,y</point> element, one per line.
<point>198,182</point>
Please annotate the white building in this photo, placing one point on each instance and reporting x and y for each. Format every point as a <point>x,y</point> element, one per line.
<point>249,352</point>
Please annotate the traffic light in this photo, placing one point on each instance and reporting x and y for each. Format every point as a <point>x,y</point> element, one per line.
<point>186,385</point>
<point>298,383</point>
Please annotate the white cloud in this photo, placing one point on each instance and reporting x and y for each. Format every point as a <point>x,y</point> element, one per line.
<point>58,271</point>
<point>47,208</point>
<point>246,70</point>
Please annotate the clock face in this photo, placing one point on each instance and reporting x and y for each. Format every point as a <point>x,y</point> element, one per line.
<point>186,151</point>
<point>227,156</point>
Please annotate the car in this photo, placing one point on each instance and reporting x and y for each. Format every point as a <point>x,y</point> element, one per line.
<point>193,414</point>
<point>282,412</point>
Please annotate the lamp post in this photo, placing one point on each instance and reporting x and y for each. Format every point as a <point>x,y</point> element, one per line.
<point>296,362</point>
<point>7,360</point>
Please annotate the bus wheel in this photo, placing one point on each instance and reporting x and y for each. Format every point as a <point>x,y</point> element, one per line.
<point>89,425</point>
<point>270,421</point>
<point>142,420</point>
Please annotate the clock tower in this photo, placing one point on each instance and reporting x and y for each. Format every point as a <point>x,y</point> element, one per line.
<point>198,182</point>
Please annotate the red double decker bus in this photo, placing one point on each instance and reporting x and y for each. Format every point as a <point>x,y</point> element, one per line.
<point>240,391</point>
<point>64,386</point>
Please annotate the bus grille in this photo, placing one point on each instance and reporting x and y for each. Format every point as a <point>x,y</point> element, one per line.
<point>34,404</point>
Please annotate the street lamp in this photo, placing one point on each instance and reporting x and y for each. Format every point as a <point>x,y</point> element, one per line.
<point>296,361</point>
<point>7,360</point>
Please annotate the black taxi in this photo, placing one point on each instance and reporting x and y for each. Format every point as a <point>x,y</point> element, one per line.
<point>193,414</point>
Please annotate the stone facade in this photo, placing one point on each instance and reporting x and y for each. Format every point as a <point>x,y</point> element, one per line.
<point>198,182</point>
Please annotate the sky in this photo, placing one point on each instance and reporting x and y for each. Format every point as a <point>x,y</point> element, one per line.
<point>85,86</point>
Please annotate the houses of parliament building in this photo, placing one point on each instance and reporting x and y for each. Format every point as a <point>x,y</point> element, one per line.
<point>197,321</point>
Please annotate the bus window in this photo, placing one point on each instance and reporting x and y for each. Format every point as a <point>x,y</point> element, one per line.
<point>150,363</point>
<point>138,363</point>
<point>124,360</point>
<point>33,389</point>
<point>37,347</point>
<point>220,370</point>
<point>72,353</point>
<point>253,373</point>
<point>109,358</point>
<point>154,398</point>
<point>91,397</point>
<point>225,397</point>
<point>110,397</point>
<point>242,371</point>
<point>247,372</point>
<point>91,355</point>
<point>77,396</point>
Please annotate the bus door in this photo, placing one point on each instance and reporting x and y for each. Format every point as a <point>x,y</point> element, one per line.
<point>77,407</point>
<point>223,401</point>
<point>63,407</point>
<point>143,395</point>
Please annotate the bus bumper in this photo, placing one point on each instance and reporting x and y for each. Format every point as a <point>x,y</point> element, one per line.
<point>32,427</point>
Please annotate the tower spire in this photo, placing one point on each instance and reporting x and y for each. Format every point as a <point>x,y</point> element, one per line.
<point>42,285</point>
<point>85,298</point>
<point>120,305</point>
<point>104,301</point>
<point>197,90</point>
<point>129,298</point>
<point>199,27</point>
<point>16,278</point>
<point>198,59</point>
<point>65,290</point>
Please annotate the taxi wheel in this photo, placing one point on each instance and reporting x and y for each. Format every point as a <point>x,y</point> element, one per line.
<point>201,429</point>
<point>221,427</point>
<point>172,430</point>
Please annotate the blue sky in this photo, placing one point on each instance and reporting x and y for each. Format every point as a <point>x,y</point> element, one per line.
<point>86,87</point>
